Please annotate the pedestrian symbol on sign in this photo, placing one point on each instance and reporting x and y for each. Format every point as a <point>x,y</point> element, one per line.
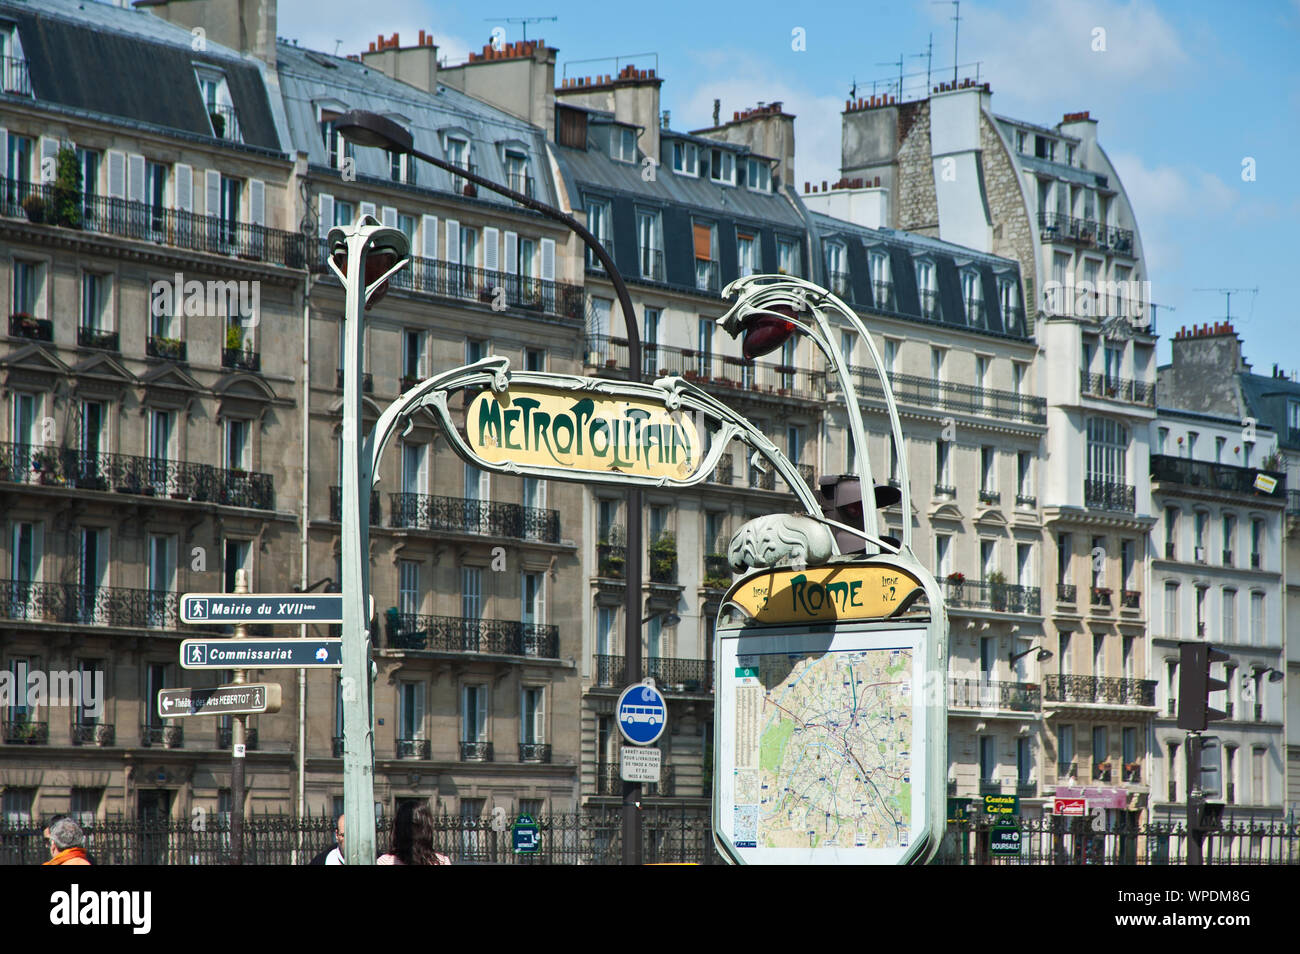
<point>197,653</point>
<point>198,609</point>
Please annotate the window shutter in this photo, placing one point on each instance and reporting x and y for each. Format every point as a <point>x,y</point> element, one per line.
<point>368,208</point>
<point>512,254</point>
<point>389,217</point>
<point>539,717</point>
<point>703,241</point>
<point>491,249</point>
<point>452,251</point>
<point>326,214</point>
<point>256,202</point>
<point>116,174</point>
<point>212,193</point>
<point>135,178</point>
<point>429,235</point>
<point>184,187</point>
<point>49,150</point>
<point>4,153</point>
<point>38,544</point>
<point>418,714</point>
<point>548,260</point>
<point>482,714</point>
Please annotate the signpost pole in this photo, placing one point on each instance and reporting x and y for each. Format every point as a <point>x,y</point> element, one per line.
<point>1194,799</point>
<point>238,740</point>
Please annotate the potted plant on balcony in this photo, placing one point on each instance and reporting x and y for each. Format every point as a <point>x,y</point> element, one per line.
<point>34,207</point>
<point>234,337</point>
<point>65,195</point>
<point>45,462</point>
<point>218,124</point>
<point>997,581</point>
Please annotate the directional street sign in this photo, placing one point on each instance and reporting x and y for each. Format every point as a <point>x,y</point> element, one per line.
<point>261,653</point>
<point>642,713</point>
<point>222,609</point>
<point>246,699</point>
<point>1004,841</point>
<point>640,764</point>
<point>525,835</point>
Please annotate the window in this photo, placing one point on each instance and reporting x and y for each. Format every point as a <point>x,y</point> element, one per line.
<point>1171,610</point>
<point>598,223</point>
<point>412,357</point>
<point>1162,440</point>
<point>532,717</point>
<point>794,443</point>
<point>16,804</point>
<point>476,349</point>
<point>649,228</point>
<point>216,99</point>
<point>1025,478</point>
<point>337,149</point>
<point>1098,574</point>
<point>704,355</point>
<point>410,717</point>
<point>706,256</point>
<point>988,758</point>
<point>474,713</point>
<point>1172,767</point>
<point>1024,564</point>
<point>27,288</point>
<point>573,128</point>
<point>1128,744</point>
<point>517,172</point>
<point>155,682</point>
<point>345,213</point>
<point>458,155</point>
<point>20,166</point>
<point>414,473</point>
<point>1258,780</point>
<point>1024,761</point>
<point>1201,592</point>
<point>891,355</point>
<point>1229,534</point>
<point>747,259</point>
<point>471,592</point>
<point>1009,301</point>
<point>836,268</point>
<point>401,168</point>
<point>622,144</point>
<point>1107,451</point>
<point>1230,774</point>
<point>236,555</point>
<point>1257,619</point>
<point>942,472</point>
<point>406,225</point>
<point>237,445</point>
<point>162,576</point>
<point>1293,418</point>
<point>685,158</point>
<point>1127,548</point>
<point>534,359</point>
<point>988,477</point>
<point>925,286</point>
<point>408,587</point>
<point>1218,449</point>
<point>1256,541</point>
<point>1171,533</point>
<point>85,805</point>
<point>973,298</point>
<point>1229,631</point>
<point>937,356</point>
<point>1064,543</point>
<point>787,257</point>
<point>1020,140</point>
<point>1100,751</point>
<point>882,285</point>
<point>605,617</point>
<point>1065,749</point>
<point>94,305</point>
<point>722,166</point>
<point>1201,524</point>
<point>943,554</point>
<point>1064,663</point>
<point>650,341</point>
<point>758,175</point>
<point>988,558</point>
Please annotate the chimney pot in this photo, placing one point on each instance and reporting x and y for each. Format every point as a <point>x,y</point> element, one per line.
<point>823,185</point>
<point>805,187</point>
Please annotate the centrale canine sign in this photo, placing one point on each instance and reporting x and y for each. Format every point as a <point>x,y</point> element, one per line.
<point>534,427</point>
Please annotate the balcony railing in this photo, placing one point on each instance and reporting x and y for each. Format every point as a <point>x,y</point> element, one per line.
<point>681,675</point>
<point>1109,690</point>
<point>462,634</point>
<point>990,497</point>
<point>1058,227</point>
<point>706,276</point>
<point>466,515</point>
<point>1133,772</point>
<point>945,490</point>
<point>520,182</point>
<point>723,473</point>
<point>226,737</point>
<point>150,223</point>
<point>34,329</point>
<point>534,752</point>
<point>951,396</point>
<point>1026,789</point>
<point>717,571</point>
<point>127,474</point>
<point>413,749</point>
<point>168,736</point>
<point>712,370</point>
<point>992,694</point>
<point>882,294</point>
<point>990,786</point>
<point>761,479</point>
<point>93,733</point>
<point>88,605</point>
<point>1026,500</point>
<point>1068,769</point>
<point>1130,599</point>
<point>225,122</point>
<point>169,349</point>
<point>1117,389</point>
<point>652,264</point>
<point>1224,477</point>
<point>663,561</point>
<point>1101,771</point>
<point>611,561</point>
<point>101,340</point>
<point>336,506</point>
<point>1109,495</point>
<point>839,282</point>
<point>241,359</point>
<point>14,78</point>
<point>1066,593</point>
<point>929,303</point>
<point>476,751</point>
<point>22,731</point>
<point>367,381</point>
<point>1000,597</point>
<point>1100,596</point>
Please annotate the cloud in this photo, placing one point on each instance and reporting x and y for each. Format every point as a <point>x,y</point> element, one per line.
<point>1051,50</point>
<point>322,24</point>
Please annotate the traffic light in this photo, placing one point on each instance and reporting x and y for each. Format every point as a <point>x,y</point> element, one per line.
<point>1195,685</point>
<point>841,500</point>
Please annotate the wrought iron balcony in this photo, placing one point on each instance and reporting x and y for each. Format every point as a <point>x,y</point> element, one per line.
<point>465,515</point>
<point>1000,597</point>
<point>723,473</point>
<point>950,396</point>
<point>226,737</point>
<point>367,380</point>
<point>992,694</point>
<point>717,571</point>
<point>1101,596</point>
<point>169,349</point>
<point>127,474</point>
<point>1130,599</point>
<point>168,736</point>
<point>414,749</point>
<point>944,490</point>
<point>476,751</point>
<point>1224,477</point>
<point>761,479</point>
<point>23,731</point>
<point>839,282</point>
<point>14,78</point>
<point>88,605</point>
<point>225,122</point>
<point>1066,593</point>
<point>93,733</point>
<point>809,475</point>
<point>462,634</point>
<point>1105,690</point>
<point>1108,495</point>
<point>1027,789</point>
<point>101,340</point>
<point>1101,771</point>
<point>336,506</point>
<point>663,560</point>
<point>670,674</point>
<point>35,329</point>
<point>1133,772</point>
<point>929,303</point>
<point>990,786</point>
<point>882,294</point>
<point>154,223</point>
<point>534,752</point>
<point>240,359</point>
<point>611,561</point>
<point>1068,769</point>
<point>1117,389</point>
<point>1058,227</point>
<point>652,264</point>
<point>990,497</point>
<point>712,370</point>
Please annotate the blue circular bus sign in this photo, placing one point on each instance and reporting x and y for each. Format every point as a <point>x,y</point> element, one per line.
<point>642,714</point>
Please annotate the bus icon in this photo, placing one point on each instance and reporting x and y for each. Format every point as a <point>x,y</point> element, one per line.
<point>651,715</point>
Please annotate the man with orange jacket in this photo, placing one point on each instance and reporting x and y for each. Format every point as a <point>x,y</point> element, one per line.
<point>65,839</point>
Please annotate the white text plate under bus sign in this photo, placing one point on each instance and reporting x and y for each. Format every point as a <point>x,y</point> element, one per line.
<point>822,741</point>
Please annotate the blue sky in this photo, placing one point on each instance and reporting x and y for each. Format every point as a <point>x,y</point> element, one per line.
<point>1184,92</point>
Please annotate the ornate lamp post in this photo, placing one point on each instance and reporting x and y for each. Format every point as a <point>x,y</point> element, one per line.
<point>370,129</point>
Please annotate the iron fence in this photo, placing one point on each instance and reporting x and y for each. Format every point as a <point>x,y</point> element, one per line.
<point>88,605</point>
<point>1112,690</point>
<point>462,634</point>
<point>669,673</point>
<point>951,396</point>
<point>466,515</point>
<point>988,595</point>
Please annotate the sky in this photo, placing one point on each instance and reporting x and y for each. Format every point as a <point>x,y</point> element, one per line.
<point>1197,102</point>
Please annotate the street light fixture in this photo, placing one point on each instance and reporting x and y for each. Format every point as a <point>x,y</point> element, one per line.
<point>365,128</point>
<point>1043,654</point>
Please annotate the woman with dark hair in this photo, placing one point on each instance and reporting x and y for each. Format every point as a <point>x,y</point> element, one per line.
<point>412,838</point>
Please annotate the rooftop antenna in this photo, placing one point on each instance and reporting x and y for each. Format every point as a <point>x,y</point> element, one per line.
<point>524,21</point>
<point>337,44</point>
<point>899,63</point>
<point>1228,293</point>
<point>956,25</point>
<point>929,57</point>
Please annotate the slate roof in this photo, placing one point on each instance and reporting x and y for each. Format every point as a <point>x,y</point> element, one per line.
<point>1267,399</point>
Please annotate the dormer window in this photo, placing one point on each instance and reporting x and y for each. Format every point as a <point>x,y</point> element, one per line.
<point>458,152</point>
<point>1045,148</point>
<point>882,283</point>
<point>972,297</point>
<point>622,144</point>
<point>722,166</point>
<point>220,108</point>
<point>1009,300</point>
<point>337,149</point>
<point>401,168</point>
<point>927,290</point>
<point>837,269</point>
<point>13,65</point>
<point>1020,141</point>
<point>758,175</point>
<point>686,158</point>
<point>517,176</point>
